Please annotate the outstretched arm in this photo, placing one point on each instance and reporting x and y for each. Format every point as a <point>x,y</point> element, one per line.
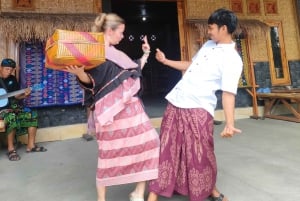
<point>179,65</point>
<point>26,93</point>
<point>146,50</point>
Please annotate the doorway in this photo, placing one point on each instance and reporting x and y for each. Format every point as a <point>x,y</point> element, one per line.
<point>159,21</point>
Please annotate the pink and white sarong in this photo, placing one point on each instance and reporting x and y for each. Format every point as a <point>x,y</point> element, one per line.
<point>128,144</point>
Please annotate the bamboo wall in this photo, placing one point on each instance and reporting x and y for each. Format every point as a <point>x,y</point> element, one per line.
<point>31,16</point>
<point>201,9</point>
<point>51,6</point>
<point>196,9</point>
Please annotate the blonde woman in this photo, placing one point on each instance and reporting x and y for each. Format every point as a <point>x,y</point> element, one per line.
<point>128,144</point>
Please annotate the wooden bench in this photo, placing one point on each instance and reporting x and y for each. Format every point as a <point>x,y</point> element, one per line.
<point>287,98</point>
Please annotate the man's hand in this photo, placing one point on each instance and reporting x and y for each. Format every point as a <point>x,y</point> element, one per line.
<point>160,56</point>
<point>229,131</point>
<point>27,92</point>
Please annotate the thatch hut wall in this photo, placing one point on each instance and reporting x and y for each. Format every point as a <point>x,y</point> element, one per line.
<point>26,27</point>
<point>51,6</point>
<point>254,29</point>
<point>286,12</point>
<point>40,19</point>
<point>21,27</point>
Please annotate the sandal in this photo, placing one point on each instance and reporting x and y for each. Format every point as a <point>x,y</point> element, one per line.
<point>13,155</point>
<point>220,198</point>
<point>36,149</point>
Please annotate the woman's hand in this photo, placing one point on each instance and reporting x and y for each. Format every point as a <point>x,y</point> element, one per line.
<point>79,72</point>
<point>146,50</point>
<point>76,70</point>
<point>146,46</point>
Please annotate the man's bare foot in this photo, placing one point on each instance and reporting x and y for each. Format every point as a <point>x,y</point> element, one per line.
<point>219,197</point>
<point>152,197</point>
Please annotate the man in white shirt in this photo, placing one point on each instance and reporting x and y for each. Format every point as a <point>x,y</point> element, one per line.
<point>187,162</point>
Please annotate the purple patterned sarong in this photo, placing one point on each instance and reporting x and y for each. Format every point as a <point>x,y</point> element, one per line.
<point>187,163</point>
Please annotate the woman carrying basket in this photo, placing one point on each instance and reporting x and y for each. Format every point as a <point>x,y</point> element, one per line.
<point>127,142</point>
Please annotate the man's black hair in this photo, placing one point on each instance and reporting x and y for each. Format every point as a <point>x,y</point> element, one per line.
<point>222,17</point>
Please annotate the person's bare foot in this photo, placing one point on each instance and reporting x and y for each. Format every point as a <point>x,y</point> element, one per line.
<point>218,197</point>
<point>135,197</point>
<point>152,197</point>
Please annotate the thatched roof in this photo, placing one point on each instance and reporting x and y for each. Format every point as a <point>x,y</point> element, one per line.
<point>26,27</point>
<point>251,27</point>
<point>33,26</point>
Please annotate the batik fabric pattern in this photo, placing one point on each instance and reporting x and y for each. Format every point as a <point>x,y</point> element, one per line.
<point>187,164</point>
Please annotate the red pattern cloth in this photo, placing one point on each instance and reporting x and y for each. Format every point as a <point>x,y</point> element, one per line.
<point>187,163</point>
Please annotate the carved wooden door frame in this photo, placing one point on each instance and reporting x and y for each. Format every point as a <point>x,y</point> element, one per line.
<point>182,27</point>
<point>297,2</point>
<point>284,78</point>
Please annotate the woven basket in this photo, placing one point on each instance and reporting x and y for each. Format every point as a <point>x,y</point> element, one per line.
<point>66,48</point>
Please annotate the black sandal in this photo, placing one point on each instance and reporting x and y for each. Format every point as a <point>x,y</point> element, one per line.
<point>220,198</point>
<point>36,149</point>
<point>13,155</point>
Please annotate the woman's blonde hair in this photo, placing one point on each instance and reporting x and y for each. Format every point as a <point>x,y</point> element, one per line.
<point>105,21</point>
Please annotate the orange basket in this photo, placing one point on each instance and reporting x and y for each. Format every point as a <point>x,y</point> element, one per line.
<point>66,48</point>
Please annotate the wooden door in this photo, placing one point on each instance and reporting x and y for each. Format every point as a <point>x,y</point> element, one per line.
<point>183,31</point>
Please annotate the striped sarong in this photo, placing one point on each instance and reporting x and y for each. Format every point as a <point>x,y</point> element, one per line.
<point>187,163</point>
<point>127,142</point>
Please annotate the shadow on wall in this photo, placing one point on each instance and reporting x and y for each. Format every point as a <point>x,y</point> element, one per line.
<point>61,115</point>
